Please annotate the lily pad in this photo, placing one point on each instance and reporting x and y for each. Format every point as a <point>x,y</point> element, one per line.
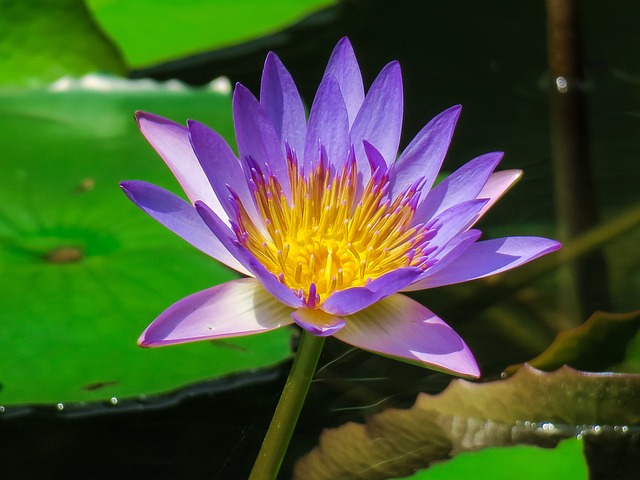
<point>82,271</point>
<point>506,463</point>
<point>43,41</point>
<point>530,408</point>
<point>208,24</point>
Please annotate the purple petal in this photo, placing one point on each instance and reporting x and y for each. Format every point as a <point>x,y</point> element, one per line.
<point>454,248</point>
<point>257,137</point>
<point>246,258</point>
<point>351,300</point>
<point>171,141</point>
<point>233,309</point>
<point>181,218</point>
<point>282,103</point>
<point>222,169</point>
<point>328,125</point>
<point>425,154</point>
<point>317,322</point>
<point>497,185</point>
<point>402,328</point>
<point>490,257</point>
<point>379,120</point>
<point>455,220</point>
<point>344,67</point>
<point>376,160</point>
<point>462,185</point>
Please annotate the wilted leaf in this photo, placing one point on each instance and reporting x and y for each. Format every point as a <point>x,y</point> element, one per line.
<point>532,407</point>
<point>593,346</point>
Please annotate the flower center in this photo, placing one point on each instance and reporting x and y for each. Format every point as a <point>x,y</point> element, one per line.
<point>328,238</point>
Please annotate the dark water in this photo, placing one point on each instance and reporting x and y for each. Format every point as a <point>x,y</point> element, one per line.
<point>491,58</point>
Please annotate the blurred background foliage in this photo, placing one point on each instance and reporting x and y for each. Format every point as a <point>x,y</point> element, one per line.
<point>82,271</point>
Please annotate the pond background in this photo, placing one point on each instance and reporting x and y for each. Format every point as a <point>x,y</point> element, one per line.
<point>83,272</point>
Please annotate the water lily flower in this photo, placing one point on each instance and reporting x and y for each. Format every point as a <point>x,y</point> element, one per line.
<point>324,218</point>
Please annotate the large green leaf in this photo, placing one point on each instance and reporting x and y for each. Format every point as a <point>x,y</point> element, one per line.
<point>82,270</point>
<point>506,463</point>
<point>176,29</point>
<point>42,41</point>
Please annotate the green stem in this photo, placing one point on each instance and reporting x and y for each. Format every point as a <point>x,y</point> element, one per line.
<point>276,441</point>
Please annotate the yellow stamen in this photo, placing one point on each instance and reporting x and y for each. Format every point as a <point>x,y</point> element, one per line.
<point>321,240</point>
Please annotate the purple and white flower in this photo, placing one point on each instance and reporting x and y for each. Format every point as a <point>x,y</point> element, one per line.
<point>324,218</point>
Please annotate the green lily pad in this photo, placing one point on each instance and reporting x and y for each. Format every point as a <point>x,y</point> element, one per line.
<point>82,270</point>
<point>506,463</point>
<point>180,28</point>
<point>530,408</point>
<point>43,41</point>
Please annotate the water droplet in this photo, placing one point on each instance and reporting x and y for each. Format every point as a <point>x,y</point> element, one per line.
<point>562,85</point>
<point>60,406</point>
<point>2,409</point>
<point>113,401</point>
<point>548,427</point>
